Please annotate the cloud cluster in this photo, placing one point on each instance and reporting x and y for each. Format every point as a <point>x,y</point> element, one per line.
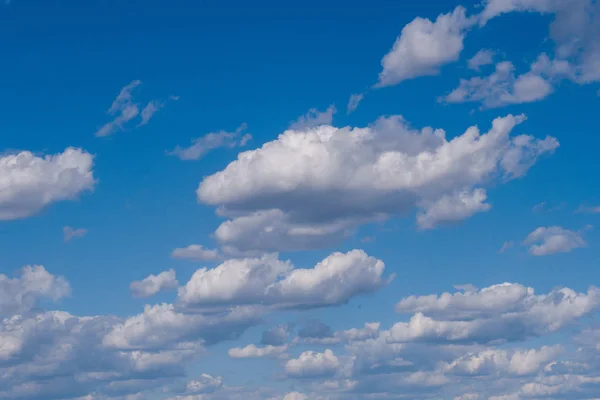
<point>29,182</point>
<point>361,175</point>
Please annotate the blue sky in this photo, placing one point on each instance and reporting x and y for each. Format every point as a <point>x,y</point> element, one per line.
<point>218,200</point>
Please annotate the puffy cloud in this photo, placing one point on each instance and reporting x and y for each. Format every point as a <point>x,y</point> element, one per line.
<point>211,141</point>
<point>501,88</point>
<point>196,252</point>
<point>34,283</point>
<point>454,207</point>
<point>252,351</point>
<point>162,325</point>
<point>506,312</point>
<point>481,58</point>
<point>269,281</point>
<point>28,183</point>
<point>359,175</point>
<point>70,233</point>
<point>553,239</point>
<point>153,284</point>
<point>496,361</point>
<point>353,102</point>
<point>312,364</point>
<point>314,118</point>
<point>424,46</point>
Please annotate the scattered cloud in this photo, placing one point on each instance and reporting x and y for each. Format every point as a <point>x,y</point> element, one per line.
<point>269,281</point>
<point>196,252</point>
<point>481,58</point>
<point>30,183</point>
<point>585,209</point>
<point>212,141</point>
<point>501,88</point>
<point>314,118</point>
<point>312,364</point>
<point>276,336</point>
<point>379,171</point>
<point>251,351</point>
<point>70,233</point>
<point>153,284</point>
<point>353,102</point>
<point>424,46</point>
<point>553,239</point>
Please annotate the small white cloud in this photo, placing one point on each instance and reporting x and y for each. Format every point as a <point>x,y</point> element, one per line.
<point>153,284</point>
<point>424,46</point>
<point>33,284</point>
<point>70,233</point>
<point>196,252</point>
<point>451,208</point>
<point>311,364</point>
<point>501,88</point>
<point>553,239</point>
<point>314,118</point>
<point>151,108</point>
<point>353,102</point>
<point>585,209</point>
<point>481,58</point>
<point>252,351</point>
<point>29,183</point>
<point>211,141</point>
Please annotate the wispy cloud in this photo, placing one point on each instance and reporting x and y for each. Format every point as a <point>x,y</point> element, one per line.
<point>211,141</point>
<point>70,233</point>
<point>314,118</point>
<point>124,109</point>
<point>354,101</point>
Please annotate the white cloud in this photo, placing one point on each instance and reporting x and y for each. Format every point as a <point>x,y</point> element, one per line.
<point>295,396</point>
<point>424,46</point>
<point>588,209</point>
<point>269,281</point>
<point>501,88</point>
<point>148,112</point>
<point>356,176</point>
<point>312,364</point>
<point>205,384</point>
<point>153,284</point>
<point>70,233</point>
<point>481,58</point>
<point>506,312</point>
<point>33,284</point>
<point>196,252</point>
<point>29,183</point>
<point>353,102</point>
<point>275,336</point>
<point>496,361</point>
<point>211,141</point>
<point>506,246</point>
<point>553,239</point>
<point>314,118</point>
<point>454,207</point>
<point>252,351</point>
<point>574,30</point>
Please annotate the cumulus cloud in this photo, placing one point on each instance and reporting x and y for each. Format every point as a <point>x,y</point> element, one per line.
<point>195,252</point>
<point>70,233</point>
<point>501,88</point>
<point>276,336</point>
<point>314,118</point>
<point>360,175</point>
<point>252,351</point>
<point>574,30</point>
<point>353,102</point>
<point>269,281</point>
<point>481,58</point>
<point>496,361</point>
<point>34,283</point>
<point>424,46</point>
<point>153,284</point>
<point>29,182</point>
<point>505,312</point>
<point>212,141</point>
<point>312,364</point>
<point>553,239</point>
<point>205,384</point>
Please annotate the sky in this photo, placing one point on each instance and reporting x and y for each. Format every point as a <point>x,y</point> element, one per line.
<point>299,200</point>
